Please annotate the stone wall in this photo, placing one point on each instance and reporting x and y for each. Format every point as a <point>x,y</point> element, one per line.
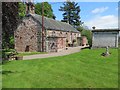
<point>26,36</point>
<point>68,35</point>
<point>61,43</point>
<point>51,44</point>
<point>84,41</point>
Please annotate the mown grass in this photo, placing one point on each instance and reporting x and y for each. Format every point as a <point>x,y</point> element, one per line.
<point>86,69</point>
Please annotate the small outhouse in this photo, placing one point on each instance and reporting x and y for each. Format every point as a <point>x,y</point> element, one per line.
<point>105,37</point>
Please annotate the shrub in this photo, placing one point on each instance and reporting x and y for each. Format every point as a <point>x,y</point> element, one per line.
<point>7,53</point>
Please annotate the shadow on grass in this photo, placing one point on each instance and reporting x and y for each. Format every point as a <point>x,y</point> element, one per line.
<point>5,62</point>
<point>10,72</point>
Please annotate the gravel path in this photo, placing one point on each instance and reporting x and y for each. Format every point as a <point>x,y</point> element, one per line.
<point>70,50</point>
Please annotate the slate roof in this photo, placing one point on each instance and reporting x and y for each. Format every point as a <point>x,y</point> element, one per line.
<point>52,24</point>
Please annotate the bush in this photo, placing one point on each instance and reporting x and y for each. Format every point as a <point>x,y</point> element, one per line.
<point>7,53</point>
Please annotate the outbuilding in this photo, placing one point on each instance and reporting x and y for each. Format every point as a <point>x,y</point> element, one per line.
<point>31,37</point>
<point>105,37</point>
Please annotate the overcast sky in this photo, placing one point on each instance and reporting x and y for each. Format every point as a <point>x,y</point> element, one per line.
<point>98,14</point>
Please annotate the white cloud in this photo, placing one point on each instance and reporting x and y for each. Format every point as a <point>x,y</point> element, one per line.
<point>103,22</point>
<point>99,10</point>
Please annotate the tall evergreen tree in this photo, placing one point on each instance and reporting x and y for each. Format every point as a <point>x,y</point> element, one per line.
<point>48,12</point>
<point>71,13</point>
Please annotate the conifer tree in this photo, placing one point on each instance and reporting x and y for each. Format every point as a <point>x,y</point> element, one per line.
<point>71,13</point>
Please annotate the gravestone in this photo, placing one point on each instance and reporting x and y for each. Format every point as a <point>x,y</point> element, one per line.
<point>106,52</point>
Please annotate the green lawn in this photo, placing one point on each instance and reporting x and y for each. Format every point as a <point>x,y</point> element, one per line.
<point>80,70</point>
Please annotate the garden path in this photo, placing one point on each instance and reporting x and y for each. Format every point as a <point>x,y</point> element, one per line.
<point>70,50</point>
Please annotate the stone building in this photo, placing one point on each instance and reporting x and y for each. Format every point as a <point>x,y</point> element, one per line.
<point>57,35</point>
<point>105,37</point>
<point>84,41</point>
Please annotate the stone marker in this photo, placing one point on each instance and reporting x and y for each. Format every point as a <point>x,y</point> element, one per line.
<point>107,52</point>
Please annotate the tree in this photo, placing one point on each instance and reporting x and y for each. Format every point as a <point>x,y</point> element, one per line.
<point>71,13</point>
<point>9,23</point>
<point>80,28</point>
<point>48,12</point>
<point>22,10</point>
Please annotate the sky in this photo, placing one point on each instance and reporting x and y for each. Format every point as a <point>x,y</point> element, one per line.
<point>99,14</point>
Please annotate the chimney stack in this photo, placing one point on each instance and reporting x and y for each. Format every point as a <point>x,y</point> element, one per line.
<point>30,8</point>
